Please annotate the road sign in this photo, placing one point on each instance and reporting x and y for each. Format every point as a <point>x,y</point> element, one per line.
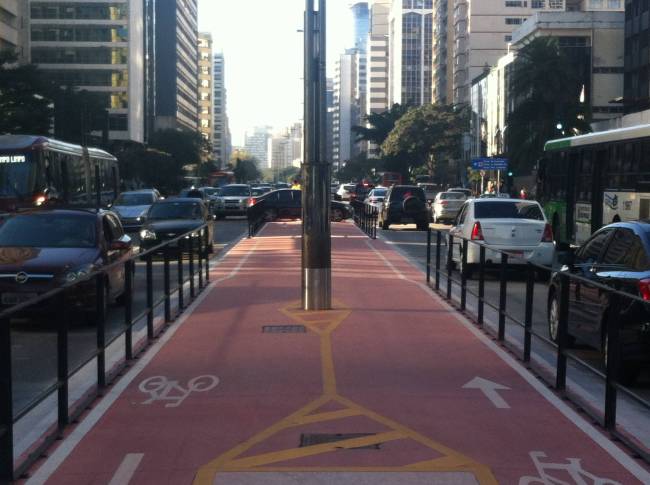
<point>490,164</point>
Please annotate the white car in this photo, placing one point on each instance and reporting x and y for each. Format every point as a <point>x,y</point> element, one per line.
<point>376,196</point>
<point>516,226</point>
<point>345,191</point>
<point>446,206</point>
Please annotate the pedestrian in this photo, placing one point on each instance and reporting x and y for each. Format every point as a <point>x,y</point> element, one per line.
<point>295,185</point>
<point>523,194</point>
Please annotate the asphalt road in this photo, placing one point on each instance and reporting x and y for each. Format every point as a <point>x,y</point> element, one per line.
<point>589,388</point>
<point>34,346</point>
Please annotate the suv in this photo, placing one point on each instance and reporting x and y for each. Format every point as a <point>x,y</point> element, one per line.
<point>618,256</point>
<point>232,200</point>
<point>405,204</point>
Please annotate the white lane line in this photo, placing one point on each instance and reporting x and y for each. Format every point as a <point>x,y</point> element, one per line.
<point>605,443</point>
<point>127,469</point>
<point>80,431</point>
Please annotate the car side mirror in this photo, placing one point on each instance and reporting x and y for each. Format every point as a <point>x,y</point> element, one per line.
<point>122,244</point>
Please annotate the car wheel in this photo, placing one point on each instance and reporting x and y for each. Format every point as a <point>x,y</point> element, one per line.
<point>554,318</point>
<point>337,215</point>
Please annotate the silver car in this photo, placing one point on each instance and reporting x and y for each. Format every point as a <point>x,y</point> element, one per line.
<point>131,207</point>
<point>446,206</point>
<point>232,200</point>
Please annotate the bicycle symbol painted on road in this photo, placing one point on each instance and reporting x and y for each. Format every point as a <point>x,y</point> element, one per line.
<point>571,472</point>
<point>160,388</point>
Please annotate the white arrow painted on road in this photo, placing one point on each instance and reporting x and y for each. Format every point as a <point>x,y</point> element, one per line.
<point>490,389</point>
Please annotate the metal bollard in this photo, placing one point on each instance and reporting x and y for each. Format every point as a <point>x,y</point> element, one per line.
<point>149,260</point>
<point>129,268</point>
<point>503,296</point>
<point>181,292</point>
<point>438,251</point>
<point>463,277</point>
<point>6,404</point>
<point>100,315</point>
<point>428,256</point>
<point>563,334</point>
<point>190,243</point>
<point>63,324</point>
<point>528,317</point>
<point>613,362</point>
<point>199,258</point>
<point>481,285</point>
<point>167,285</point>
<point>208,245</point>
<point>450,264</point>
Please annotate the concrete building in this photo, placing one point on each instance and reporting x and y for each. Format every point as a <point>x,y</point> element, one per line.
<point>443,48</point>
<point>256,144</point>
<point>637,57</point>
<point>206,107</point>
<point>410,52</point>
<point>346,108</point>
<point>98,47</point>
<point>285,149</point>
<point>172,54</point>
<point>482,31</point>
<point>221,140</point>
<point>329,101</point>
<point>377,86</point>
<point>13,27</point>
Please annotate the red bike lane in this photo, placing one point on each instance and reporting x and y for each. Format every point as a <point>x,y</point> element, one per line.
<point>391,386</point>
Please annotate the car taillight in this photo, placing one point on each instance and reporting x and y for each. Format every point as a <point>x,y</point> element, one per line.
<point>444,203</point>
<point>644,289</point>
<point>252,201</point>
<point>548,234</point>
<point>477,233</point>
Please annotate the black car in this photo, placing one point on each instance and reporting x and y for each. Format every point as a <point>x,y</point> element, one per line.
<point>168,219</point>
<point>617,255</point>
<point>405,204</point>
<point>287,204</point>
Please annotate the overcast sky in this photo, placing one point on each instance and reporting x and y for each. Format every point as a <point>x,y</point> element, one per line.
<point>263,53</point>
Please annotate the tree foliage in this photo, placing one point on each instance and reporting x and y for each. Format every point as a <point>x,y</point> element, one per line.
<point>380,125</point>
<point>246,170</point>
<point>427,135</point>
<point>360,167</point>
<point>183,145</point>
<point>148,167</point>
<point>547,85</point>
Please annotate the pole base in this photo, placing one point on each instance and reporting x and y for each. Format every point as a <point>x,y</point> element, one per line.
<point>317,289</point>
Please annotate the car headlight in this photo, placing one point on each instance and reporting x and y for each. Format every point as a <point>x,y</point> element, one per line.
<point>193,235</point>
<point>139,219</point>
<point>146,234</point>
<point>79,273</point>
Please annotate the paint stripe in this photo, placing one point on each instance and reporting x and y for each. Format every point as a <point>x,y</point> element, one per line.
<point>127,469</point>
<point>597,437</point>
<point>79,432</point>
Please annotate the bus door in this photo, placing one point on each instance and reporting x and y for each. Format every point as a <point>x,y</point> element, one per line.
<point>597,191</point>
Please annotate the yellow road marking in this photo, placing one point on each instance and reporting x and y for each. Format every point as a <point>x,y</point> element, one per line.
<point>328,416</point>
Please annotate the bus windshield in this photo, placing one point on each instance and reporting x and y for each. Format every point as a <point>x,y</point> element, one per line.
<point>17,176</point>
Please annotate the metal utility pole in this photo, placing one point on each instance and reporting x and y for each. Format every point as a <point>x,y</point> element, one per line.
<point>316,231</point>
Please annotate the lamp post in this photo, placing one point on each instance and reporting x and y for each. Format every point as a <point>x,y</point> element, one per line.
<point>316,230</point>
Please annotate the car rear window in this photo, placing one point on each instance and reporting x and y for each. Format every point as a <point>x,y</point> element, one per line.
<point>452,195</point>
<point>406,192</point>
<point>508,210</point>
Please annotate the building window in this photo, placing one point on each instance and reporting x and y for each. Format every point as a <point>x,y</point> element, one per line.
<point>516,3</point>
<point>507,38</point>
<point>514,21</point>
<point>538,4</point>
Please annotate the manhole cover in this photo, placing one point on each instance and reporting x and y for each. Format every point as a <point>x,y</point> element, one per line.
<point>319,439</point>
<point>284,329</point>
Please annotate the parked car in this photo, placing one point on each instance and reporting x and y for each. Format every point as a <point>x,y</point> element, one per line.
<point>233,200</point>
<point>446,205</point>
<point>361,191</point>
<point>168,219</point>
<point>405,204</point>
<point>345,192</point>
<point>42,250</point>
<point>287,204</point>
<point>132,207</point>
<point>377,196</point>
<point>618,256</point>
<point>518,227</point>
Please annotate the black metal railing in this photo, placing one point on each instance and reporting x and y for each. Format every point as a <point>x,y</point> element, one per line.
<point>257,216</point>
<point>365,217</point>
<point>444,249</point>
<point>194,244</point>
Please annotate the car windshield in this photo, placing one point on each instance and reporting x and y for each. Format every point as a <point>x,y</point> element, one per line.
<point>211,191</point>
<point>235,191</point>
<point>452,195</point>
<point>259,191</point>
<point>508,210</point>
<point>406,192</point>
<point>48,230</point>
<point>192,194</point>
<point>134,199</point>
<point>175,210</point>
<point>378,193</point>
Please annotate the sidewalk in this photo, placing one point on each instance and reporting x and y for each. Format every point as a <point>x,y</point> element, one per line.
<point>391,387</point>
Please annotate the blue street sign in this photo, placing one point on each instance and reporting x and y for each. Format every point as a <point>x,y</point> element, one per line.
<point>490,164</point>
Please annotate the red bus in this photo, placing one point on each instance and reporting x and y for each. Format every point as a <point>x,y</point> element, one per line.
<point>221,178</point>
<point>388,179</point>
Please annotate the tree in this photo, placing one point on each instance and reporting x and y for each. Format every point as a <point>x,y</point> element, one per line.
<point>381,124</point>
<point>183,145</point>
<point>77,114</point>
<point>148,167</point>
<point>360,167</point>
<point>548,89</point>
<point>427,135</point>
<point>247,170</point>
<point>24,101</point>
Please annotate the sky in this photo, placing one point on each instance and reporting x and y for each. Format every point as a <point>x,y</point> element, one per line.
<point>263,55</point>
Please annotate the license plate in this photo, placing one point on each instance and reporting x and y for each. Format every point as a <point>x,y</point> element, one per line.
<point>515,253</point>
<point>16,298</point>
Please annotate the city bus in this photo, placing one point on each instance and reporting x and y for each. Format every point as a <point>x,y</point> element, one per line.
<point>221,178</point>
<point>388,179</point>
<point>38,171</point>
<point>587,181</point>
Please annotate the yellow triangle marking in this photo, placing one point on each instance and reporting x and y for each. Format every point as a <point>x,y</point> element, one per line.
<point>295,453</point>
<point>326,416</point>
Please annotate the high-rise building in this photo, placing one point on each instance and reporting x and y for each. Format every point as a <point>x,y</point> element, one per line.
<point>329,101</point>
<point>205,87</point>
<point>482,31</point>
<point>98,47</point>
<point>361,18</point>
<point>377,90</point>
<point>172,67</point>
<point>410,52</point>
<point>256,144</point>
<point>13,32</point>
<point>285,149</point>
<point>221,144</point>
<point>637,57</point>
<point>443,48</point>
<point>346,109</point>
